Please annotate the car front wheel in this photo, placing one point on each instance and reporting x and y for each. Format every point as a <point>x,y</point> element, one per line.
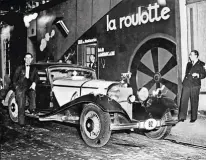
<point>160,132</point>
<point>95,126</point>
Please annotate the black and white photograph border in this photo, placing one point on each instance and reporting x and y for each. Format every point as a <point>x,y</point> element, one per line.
<point>151,42</point>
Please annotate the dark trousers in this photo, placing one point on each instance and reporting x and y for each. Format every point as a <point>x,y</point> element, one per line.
<point>191,93</point>
<point>21,101</point>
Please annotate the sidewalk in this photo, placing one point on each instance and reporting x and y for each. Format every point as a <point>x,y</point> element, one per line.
<point>192,133</point>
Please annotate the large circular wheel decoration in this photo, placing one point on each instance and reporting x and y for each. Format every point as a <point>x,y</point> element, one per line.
<point>154,65</point>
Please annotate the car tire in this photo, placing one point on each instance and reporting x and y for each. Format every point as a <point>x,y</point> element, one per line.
<point>13,108</point>
<point>95,126</point>
<point>161,132</point>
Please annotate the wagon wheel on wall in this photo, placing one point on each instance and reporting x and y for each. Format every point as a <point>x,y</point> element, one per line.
<point>155,65</point>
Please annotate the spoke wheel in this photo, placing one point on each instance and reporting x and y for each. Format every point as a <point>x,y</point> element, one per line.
<point>155,65</point>
<point>92,125</point>
<point>95,126</point>
<point>161,132</point>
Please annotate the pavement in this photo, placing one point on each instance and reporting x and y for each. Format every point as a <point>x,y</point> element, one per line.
<point>55,141</point>
<point>192,133</point>
<point>183,132</point>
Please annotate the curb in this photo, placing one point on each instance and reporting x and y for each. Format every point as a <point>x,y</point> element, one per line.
<point>202,112</point>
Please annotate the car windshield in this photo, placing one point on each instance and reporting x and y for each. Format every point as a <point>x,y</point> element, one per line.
<point>72,73</point>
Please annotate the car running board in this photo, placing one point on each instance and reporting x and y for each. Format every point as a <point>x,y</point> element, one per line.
<point>60,118</point>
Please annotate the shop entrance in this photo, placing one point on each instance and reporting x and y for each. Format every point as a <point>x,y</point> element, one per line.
<point>154,65</point>
<point>87,56</point>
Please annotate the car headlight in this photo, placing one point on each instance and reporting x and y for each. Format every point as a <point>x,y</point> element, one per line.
<point>143,94</point>
<point>113,92</point>
<point>131,98</point>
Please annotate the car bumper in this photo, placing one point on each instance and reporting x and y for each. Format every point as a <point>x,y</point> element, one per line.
<point>148,124</point>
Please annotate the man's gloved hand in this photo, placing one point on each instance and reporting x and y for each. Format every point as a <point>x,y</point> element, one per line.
<point>33,86</point>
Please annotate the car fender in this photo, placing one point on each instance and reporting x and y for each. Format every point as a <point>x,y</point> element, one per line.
<point>169,103</point>
<point>160,106</point>
<point>103,101</point>
<point>6,100</point>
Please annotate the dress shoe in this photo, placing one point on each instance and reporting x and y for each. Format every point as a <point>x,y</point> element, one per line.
<point>192,121</point>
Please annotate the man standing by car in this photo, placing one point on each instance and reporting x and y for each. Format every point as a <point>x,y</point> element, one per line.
<point>191,86</point>
<point>24,82</point>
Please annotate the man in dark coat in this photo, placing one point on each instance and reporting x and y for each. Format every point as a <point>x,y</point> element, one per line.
<point>191,86</point>
<point>24,82</point>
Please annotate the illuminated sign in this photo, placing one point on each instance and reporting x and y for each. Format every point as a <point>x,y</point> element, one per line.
<point>102,53</point>
<point>143,16</point>
<point>100,49</point>
<point>87,41</point>
<point>106,54</point>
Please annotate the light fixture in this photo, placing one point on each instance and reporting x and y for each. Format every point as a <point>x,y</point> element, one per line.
<point>162,2</point>
<point>61,26</point>
<point>29,18</point>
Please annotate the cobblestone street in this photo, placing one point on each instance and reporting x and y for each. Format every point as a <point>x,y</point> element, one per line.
<point>40,141</point>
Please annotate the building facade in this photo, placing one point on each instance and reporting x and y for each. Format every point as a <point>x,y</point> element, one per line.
<point>147,38</point>
<point>193,22</point>
<point>139,37</point>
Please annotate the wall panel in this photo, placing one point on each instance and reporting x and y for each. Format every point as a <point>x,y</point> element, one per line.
<point>100,8</point>
<point>78,16</point>
<point>196,13</point>
<point>84,16</point>
<point>201,34</point>
<point>114,3</point>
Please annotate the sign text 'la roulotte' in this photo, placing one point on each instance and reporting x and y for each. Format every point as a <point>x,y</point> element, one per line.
<point>143,16</point>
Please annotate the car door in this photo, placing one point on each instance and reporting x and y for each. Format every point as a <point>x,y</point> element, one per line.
<point>43,92</point>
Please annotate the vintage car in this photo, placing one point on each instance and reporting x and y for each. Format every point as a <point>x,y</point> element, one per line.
<point>73,94</point>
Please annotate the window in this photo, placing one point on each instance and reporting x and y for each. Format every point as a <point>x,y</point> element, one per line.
<point>72,73</point>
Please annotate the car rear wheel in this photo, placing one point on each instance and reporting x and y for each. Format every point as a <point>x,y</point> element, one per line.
<point>161,132</point>
<point>95,126</point>
<point>13,108</point>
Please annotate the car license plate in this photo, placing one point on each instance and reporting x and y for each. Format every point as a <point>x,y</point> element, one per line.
<point>150,124</point>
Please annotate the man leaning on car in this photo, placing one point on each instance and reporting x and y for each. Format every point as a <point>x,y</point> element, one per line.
<point>24,83</point>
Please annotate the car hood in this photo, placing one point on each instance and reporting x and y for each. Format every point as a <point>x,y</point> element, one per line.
<point>66,90</point>
<point>94,83</point>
